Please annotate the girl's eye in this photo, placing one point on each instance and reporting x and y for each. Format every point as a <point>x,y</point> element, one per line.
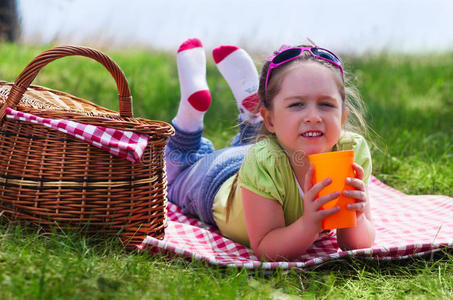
<point>327,104</point>
<point>296,104</point>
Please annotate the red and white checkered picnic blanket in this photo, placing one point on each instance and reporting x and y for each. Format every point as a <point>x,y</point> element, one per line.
<point>125,144</point>
<point>405,226</point>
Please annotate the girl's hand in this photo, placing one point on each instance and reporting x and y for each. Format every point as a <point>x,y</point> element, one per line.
<point>363,234</point>
<point>359,194</point>
<point>313,214</point>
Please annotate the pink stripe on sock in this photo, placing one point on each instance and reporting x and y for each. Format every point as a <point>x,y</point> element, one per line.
<point>200,100</point>
<point>251,102</point>
<point>221,52</point>
<point>189,44</point>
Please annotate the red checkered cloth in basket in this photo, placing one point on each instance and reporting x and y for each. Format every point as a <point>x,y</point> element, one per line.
<point>405,226</point>
<point>125,144</point>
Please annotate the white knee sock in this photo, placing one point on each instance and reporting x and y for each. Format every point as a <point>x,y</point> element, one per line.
<point>239,71</point>
<point>195,95</point>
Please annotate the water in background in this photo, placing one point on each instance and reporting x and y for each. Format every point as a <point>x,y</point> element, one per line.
<point>347,26</point>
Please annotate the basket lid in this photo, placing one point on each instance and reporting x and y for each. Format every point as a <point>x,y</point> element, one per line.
<point>41,98</point>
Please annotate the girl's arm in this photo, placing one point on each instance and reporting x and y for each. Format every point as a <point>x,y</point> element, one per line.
<point>270,238</point>
<point>362,235</point>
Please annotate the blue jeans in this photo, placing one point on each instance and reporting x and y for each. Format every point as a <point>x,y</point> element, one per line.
<point>195,171</point>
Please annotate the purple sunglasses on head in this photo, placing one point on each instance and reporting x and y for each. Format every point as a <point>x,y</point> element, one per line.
<point>286,54</point>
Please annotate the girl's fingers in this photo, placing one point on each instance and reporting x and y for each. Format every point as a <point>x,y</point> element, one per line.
<point>358,170</point>
<point>360,206</point>
<point>356,194</point>
<point>324,199</point>
<point>319,186</point>
<point>328,212</point>
<point>355,182</point>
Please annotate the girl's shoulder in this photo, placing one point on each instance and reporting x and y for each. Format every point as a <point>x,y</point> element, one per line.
<point>266,171</point>
<point>362,156</point>
<point>350,141</point>
<point>267,149</point>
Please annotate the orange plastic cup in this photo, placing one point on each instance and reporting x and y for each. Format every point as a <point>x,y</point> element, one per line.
<point>336,165</point>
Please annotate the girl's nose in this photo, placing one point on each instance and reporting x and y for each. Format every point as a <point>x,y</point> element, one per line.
<point>312,116</point>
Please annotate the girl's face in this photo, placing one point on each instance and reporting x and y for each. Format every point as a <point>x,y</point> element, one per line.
<point>306,114</point>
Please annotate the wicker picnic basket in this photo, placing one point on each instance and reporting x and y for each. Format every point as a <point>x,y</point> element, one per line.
<point>48,177</point>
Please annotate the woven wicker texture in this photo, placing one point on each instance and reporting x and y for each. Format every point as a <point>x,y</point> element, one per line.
<point>47,176</point>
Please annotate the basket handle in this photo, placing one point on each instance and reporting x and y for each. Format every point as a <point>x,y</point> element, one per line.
<point>25,78</point>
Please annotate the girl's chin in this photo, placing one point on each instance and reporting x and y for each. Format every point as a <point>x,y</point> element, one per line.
<point>315,151</point>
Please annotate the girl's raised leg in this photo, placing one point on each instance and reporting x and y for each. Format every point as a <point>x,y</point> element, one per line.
<point>195,95</point>
<point>240,73</point>
<point>195,171</point>
<point>187,145</point>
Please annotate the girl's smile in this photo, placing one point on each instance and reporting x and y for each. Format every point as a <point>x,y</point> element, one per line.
<point>312,134</point>
<point>307,114</point>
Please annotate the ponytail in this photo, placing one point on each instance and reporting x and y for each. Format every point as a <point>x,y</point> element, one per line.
<point>231,196</point>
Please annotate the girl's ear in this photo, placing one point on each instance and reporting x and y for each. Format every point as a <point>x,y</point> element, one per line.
<point>344,116</point>
<point>267,119</point>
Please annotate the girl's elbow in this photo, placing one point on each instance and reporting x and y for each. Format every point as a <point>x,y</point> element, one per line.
<point>264,254</point>
<point>356,242</point>
<point>355,246</point>
<point>261,253</point>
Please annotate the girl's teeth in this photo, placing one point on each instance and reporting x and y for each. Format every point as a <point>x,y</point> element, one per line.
<point>312,134</point>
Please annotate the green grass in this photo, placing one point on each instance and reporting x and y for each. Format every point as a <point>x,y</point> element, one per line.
<point>410,108</point>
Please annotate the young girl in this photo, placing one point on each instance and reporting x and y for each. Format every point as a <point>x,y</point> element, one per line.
<point>262,195</point>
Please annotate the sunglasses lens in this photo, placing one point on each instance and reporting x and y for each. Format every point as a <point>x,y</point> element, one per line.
<point>325,54</point>
<point>285,55</point>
